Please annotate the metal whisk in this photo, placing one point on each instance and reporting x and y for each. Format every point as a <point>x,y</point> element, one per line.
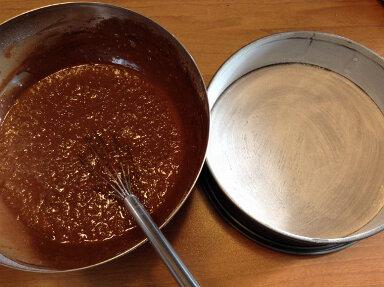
<point>120,183</point>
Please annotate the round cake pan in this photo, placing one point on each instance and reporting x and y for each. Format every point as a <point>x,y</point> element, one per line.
<point>47,29</point>
<point>297,139</point>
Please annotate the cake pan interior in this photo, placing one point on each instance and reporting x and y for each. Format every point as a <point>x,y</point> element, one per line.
<point>297,136</point>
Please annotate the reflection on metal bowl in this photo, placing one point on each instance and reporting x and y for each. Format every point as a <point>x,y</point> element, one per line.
<point>71,68</point>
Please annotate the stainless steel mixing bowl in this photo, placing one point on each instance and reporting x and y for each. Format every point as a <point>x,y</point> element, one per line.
<point>27,35</point>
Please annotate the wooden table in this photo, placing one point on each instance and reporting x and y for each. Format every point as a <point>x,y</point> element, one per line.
<point>215,253</point>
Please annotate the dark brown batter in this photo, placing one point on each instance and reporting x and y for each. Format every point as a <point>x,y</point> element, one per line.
<point>121,80</point>
<point>43,134</point>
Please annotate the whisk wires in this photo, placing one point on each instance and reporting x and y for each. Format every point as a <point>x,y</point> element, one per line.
<point>98,160</point>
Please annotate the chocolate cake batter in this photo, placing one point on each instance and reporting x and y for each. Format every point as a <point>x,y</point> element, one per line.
<point>123,82</point>
<point>43,135</point>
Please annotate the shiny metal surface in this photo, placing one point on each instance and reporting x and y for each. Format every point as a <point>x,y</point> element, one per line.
<point>257,233</point>
<point>18,38</point>
<point>297,148</point>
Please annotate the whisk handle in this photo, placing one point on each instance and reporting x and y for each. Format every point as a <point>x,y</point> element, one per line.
<point>169,256</point>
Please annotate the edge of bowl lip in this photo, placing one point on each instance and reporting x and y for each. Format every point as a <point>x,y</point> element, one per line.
<point>308,34</point>
<point>42,269</point>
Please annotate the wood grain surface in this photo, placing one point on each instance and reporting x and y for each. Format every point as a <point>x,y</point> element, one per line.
<point>215,253</point>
